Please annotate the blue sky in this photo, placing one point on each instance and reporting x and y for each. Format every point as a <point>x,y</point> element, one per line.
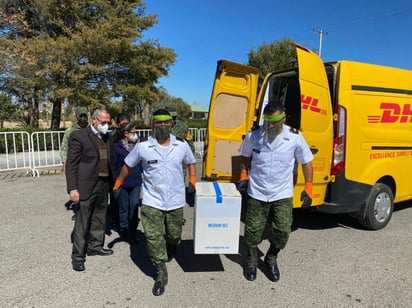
<point>201,32</point>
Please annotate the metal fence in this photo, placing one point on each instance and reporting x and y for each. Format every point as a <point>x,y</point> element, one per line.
<point>15,150</point>
<point>32,152</point>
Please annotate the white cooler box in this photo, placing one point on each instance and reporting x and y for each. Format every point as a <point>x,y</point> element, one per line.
<point>217,218</point>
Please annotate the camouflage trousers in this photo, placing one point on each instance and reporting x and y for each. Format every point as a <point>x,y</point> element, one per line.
<point>258,212</point>
<point>161,228</point>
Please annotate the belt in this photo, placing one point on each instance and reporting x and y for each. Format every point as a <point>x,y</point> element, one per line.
<point>103,178</point>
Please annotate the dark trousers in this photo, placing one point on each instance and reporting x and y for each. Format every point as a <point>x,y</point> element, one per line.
<point>128,201</point>
<point>112,217</point>
<point>89,225</point>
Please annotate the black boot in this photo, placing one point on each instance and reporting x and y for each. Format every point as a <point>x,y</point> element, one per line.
<point>171,251</point>
<point>251,264</point>
<point>161,279</point>
<point>271,263</point>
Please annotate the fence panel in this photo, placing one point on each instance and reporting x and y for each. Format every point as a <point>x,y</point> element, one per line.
<point>46,149</point>
<point>15,151</point>
<point>19,150</point>
<point>143,134</point>
<point>198,135</point>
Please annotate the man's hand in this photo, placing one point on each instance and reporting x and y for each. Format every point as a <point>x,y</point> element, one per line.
<point>191,189</point>
<point>306,195</point>
<point>243,183</point>
<point>74,196</point>
<point>116,188</point>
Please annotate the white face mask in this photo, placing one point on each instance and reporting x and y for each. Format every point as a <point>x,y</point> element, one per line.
<point>132,138</point>
<point>103,128</point>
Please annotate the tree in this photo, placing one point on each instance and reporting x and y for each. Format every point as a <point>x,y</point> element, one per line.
<point>8,110</point>
<point>273,57</point>
<point>85,52</point>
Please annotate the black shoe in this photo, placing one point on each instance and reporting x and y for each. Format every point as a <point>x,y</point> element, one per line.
<point>124,236</point>
<point>78,266</point>
<point>161,279</point>
<point>273,270</point>
<point>250,273</point>
<point>158,288</point>
<point>101,252</point>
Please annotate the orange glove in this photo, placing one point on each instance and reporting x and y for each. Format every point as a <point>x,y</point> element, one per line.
<point>192,179</point>
<point>243,182</point>
<point>117,184</point>
<point>309,188</point>
<point>243,176</point>
<point>191,189</point>
<point>306,195</point>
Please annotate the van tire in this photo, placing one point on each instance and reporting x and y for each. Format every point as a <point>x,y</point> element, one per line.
<point>378,207</point>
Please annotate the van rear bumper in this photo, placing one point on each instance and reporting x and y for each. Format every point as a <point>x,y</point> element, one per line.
<point>344,196</point>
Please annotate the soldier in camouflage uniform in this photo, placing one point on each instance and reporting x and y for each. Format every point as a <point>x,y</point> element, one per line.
<point>82,122</point>
<point>181,130</point>
<point>163,191</point>
<point>268,156</point>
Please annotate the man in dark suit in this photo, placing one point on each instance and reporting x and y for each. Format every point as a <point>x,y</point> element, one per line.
<point>89,176</point>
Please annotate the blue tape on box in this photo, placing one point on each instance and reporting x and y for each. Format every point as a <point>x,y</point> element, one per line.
<point>219,198</point>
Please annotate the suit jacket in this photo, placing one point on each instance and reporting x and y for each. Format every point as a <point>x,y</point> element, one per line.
<point>83,162</point>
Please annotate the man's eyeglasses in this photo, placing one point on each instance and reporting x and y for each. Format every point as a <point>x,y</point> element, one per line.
<point>103,122</point>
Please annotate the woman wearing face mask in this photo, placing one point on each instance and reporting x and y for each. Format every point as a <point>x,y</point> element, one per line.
<point>128,196</point>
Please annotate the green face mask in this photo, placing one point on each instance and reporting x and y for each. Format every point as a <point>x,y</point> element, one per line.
<point>272,130</point>
<point>162,131</point>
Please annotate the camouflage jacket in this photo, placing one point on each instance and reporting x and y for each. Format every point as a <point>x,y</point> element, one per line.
<point>181,130</point>
<point>65,143</point>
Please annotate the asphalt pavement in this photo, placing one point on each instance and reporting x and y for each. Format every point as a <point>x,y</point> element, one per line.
<point>330,261</point>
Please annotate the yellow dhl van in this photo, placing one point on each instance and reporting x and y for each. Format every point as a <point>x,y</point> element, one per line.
<point>355,117</point>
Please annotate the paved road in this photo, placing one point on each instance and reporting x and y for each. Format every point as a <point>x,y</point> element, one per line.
<point>330,261</point>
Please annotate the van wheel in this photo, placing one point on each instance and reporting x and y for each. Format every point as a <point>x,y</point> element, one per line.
<point>379,207</point>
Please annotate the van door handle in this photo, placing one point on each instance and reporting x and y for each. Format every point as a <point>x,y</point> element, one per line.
<point>314,150</point>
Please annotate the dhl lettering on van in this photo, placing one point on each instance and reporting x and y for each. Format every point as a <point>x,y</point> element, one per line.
<point>311,103</point>
<point>393,113</point>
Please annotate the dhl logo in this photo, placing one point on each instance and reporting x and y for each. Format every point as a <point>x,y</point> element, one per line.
<point>392,113</point>
<point>311,103</point>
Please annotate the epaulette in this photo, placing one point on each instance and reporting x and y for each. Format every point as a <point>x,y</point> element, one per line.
<point>294,130</point>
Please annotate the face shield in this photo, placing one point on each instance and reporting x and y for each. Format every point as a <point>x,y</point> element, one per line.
<point>162,125</point>
<point>273,124</point>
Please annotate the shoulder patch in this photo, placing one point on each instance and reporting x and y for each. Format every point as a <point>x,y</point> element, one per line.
<point>294,130</point>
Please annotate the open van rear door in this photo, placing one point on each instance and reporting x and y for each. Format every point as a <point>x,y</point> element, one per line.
<point>231,115</point>
<point>316,122</point>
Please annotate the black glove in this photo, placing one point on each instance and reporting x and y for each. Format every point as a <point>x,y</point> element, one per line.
<point>116,193</point>
<point>71,206</point>
<point>306,199</point>
<point>242,186</point>
<point>190,195</point>
<point>191,189</point>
